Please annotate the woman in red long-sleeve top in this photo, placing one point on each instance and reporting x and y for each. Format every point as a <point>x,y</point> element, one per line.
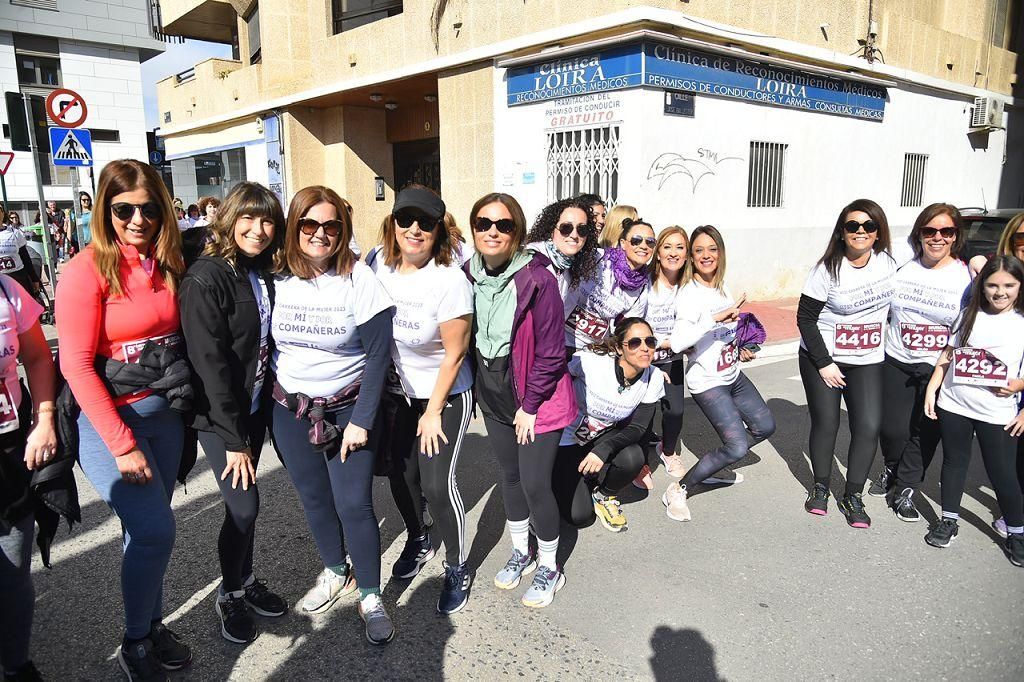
<point>112,298</point>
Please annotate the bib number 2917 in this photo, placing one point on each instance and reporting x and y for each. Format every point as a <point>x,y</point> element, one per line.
<point>587,323</point>
<point>858,339</point>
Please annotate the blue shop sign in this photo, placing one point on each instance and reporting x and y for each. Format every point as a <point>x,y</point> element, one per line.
<point>673,67</point>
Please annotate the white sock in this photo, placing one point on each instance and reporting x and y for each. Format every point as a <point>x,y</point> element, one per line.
<point>520,532</point>
<point>546,551</point>
<point>1015,530</point>
<point>951,515</point>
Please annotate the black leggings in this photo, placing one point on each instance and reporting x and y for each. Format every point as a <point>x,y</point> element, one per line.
<point>999,452</point>
<point>908,438</point>
<point>672,406</point>
<point>526,477</point>
<point>238,531</point>
<point>863,395</point>
<point>574,491</point>
<point>413,474</point>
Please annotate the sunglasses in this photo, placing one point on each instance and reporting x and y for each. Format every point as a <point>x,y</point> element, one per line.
<point>309,227</point>
<point>853,227</point>
<point>124,211</point>
<point>637,240</point>
<point>504,225</point>
<point>1018,238</point>
<point>583,229</point>
<point>635,342</point>
<point>405,221</point>
<point>946,232</point>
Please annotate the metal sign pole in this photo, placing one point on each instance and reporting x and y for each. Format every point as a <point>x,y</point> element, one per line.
<point>76,208</point>
<point>47,246</point>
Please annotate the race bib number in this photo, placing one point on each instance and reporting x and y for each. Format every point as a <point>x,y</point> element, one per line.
<point>924,338</point>
<point>261,366</point>
<point>393,382</point>
<point>662,355</point>
<point>9,420</point>
<point>7,264</point>
<point>588,324</point>
<point>729,357</point>
<point>978,367</point>
<point>589,429</point>
<point>858,339</point>
<point>133,349</point>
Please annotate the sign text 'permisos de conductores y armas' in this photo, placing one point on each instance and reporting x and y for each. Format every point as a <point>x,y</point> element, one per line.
<point>672,67</point>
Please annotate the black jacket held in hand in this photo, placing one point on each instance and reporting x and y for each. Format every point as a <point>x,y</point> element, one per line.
<point>220,319</point>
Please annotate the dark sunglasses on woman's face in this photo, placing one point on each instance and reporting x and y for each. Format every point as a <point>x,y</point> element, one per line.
<point>853,227</point>
<point>309,227</point>
<point>637,240</point>
<point>124,211</point>
<point>634,343</point>
<point>582,229</point>
<point>1018,238</point>
<point>946,232</point>
<point>405,220</point>
<point>504,225</point>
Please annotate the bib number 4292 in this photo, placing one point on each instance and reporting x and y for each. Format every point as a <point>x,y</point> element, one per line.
<point>978,367</point>
<point>858,339</point>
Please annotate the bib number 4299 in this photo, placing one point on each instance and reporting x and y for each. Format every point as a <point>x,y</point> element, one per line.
<point>924,338</point>
<point>858,339</point>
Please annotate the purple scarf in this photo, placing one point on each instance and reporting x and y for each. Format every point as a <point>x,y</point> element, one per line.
<point>625,276</point>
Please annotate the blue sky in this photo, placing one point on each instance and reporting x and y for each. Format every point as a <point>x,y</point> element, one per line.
<point>177,58</point>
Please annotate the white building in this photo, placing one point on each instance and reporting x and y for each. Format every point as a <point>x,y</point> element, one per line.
<point>93,47</point>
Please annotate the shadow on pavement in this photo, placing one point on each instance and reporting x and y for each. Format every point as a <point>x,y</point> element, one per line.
<point>682,655</point>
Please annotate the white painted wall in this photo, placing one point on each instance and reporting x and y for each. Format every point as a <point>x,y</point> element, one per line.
<point>122,23</point>
<point>831,160</point>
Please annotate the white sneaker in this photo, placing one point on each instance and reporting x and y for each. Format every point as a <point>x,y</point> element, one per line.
<point>328,589</point>
<point>674,500</point>
<point>999,526</point>
<point>674,466</point>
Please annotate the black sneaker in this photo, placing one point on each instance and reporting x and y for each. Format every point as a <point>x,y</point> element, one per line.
<point>1014,546</point>
<point>26,673</point>
<point>415,554</point>
<point>236,623</point>
<point>817,500</point>
<point>904,507</point>
<point>852,507</point>
<point>455,593</point>
<point>883,484</point>
<point>942,533</point>
<point>172,653</point>
<point>139,662</point>
<point>263,601</point>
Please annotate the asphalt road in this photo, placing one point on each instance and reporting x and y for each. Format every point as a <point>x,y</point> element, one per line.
<point>752,588</point>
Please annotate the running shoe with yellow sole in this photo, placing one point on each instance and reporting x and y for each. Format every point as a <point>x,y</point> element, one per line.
<point>608,511</point>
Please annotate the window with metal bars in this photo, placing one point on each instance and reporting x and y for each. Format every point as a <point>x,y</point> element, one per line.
<point>584,160</point>
<point>915,166</point>
<point>766,179</point>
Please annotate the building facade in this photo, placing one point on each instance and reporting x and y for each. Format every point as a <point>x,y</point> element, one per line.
<point>762,118</point>
<point>93,47</point>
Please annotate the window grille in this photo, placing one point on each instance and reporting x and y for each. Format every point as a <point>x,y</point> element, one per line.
<point>915,166</point>
<point>253,23</point>
<point>349,14</point>
<point>766,179</point>
<point>37,4</point>
<point>584,160</point>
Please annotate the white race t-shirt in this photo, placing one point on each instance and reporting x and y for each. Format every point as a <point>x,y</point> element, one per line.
<point>661,315</point>
<point>423,300</point>
<point>852,322</point>
<point>598,304</point>
<point>715,357</point>
<point>601,404</point>
<point>11,241</point>
<point>18,312</point>
<point>923,309</point>
<point>259,290</point>
<point>1002,336</point>
<point>317,350</point>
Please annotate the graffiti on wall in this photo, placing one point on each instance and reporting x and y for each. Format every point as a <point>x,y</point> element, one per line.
<point>695,165</point>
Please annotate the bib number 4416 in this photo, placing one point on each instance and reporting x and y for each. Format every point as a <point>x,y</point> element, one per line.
<point>858,339</point>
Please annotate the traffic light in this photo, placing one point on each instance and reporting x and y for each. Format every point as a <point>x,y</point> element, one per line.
<point>17,122</point>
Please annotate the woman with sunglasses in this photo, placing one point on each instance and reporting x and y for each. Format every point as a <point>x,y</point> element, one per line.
<point>113,298</point>
<point>225,303</point>
<point>85,206</point>
<point>707,319</point>
<point>15,259</point>
<point>604,448</point>
<point>618,290</point>
<point>670,255</point>
<point>429,399</point>
<point>564,232</point>
<point>524,390</point>
<point>1011,243</point>
<point>331,326</point>
<point>929,291</point>
<point>841,317</point>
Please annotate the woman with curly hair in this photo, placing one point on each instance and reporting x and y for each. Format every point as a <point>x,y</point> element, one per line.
<point>564,233</point>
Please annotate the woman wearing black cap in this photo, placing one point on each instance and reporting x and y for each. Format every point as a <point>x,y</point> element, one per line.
<point>429,398</point>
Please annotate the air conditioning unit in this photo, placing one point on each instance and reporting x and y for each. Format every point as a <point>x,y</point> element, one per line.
<point>987,113</point>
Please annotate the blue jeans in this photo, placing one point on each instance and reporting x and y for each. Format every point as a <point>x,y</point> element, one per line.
<point>16,593</point>
<point>144,510</point>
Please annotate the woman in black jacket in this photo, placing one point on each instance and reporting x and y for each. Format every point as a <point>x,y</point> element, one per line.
<point>225,315</point>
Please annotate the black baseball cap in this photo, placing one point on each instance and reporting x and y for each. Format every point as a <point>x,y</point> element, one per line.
<point>422,200</point>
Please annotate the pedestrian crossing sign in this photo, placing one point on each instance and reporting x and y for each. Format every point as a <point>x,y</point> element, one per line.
<point>71,146</point>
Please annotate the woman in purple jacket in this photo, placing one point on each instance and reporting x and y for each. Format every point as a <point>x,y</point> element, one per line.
<point>522,384</point>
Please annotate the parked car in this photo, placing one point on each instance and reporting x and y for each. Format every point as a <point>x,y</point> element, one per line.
<point>983,228</point>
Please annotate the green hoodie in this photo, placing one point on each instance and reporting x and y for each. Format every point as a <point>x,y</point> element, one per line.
<point>494,297</point>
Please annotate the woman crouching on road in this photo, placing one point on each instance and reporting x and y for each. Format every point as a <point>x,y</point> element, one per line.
<point>707,320</point>
<point>225,303</point>
<point>602,451</point>
<point>522,384</point>
<point>331,326</point>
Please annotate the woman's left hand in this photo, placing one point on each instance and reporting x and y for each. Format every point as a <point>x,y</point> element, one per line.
<point>1016,427</point>
<point>590,465</point>
<point>352,439</point>
<point>525,424</point>
<point>429,431</point>
<point>747,355</point>
<point>1012,387</point>
<point>41,444</point>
